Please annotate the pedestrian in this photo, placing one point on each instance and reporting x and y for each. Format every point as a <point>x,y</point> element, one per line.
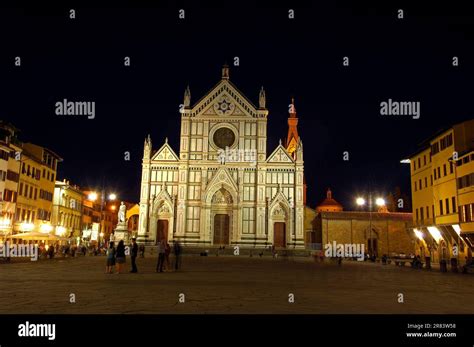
<point>161,256</point>
<point>51,252</point>
<point>177,255</point>
<point>120,256</point>
<point>167,257</point>
<point>110,258</point>
<point>112,237</point>
<point>142,251</point>
<point>133,256</point>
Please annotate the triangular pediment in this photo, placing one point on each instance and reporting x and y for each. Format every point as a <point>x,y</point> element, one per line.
<point>224,100</point>
<point>164,195</point>
<point>163,202</point>
<point>279,200</point>
<point>165,153</point>
<point>222,177</point>
<point>280,155</point>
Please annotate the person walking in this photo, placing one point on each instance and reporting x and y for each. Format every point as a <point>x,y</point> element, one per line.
<point>133,256</point>
<point>51,251</point>
<point>120,256</point>
<point>161,256</point>
<point>167,257</point>
<point>177,255</point>
<point>110,258</point>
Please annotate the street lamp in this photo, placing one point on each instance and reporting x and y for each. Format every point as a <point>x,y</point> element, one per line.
<point>380,202</point>
<point>46,228</point>
<point>60,230</point>
<point>93,196</point>
<point>26,226</point>
<point>360,201</point>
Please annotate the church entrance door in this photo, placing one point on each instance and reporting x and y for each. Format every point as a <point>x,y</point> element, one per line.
<point>162,231</point>
<point>221,229</point>
<point>279,234</point>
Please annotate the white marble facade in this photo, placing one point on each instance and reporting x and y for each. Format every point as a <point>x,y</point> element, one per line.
<point>200,200</point>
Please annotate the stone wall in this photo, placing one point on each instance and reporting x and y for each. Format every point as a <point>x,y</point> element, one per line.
<point>390,230</point>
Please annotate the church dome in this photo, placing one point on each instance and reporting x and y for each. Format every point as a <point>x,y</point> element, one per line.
<point>329,204</point>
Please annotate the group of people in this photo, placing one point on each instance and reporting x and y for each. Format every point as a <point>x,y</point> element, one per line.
<point>416,263</point>
<point>116,256</point>
<point>56,249</point>
<point>164,250</point>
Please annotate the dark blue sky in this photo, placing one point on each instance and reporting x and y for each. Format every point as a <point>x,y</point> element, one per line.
<point>338,107</point>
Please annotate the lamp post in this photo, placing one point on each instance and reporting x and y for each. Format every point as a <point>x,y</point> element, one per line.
<point>93,196</point>
<point>360,201</point>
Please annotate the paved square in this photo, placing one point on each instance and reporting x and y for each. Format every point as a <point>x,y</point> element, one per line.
<point>228,284</point>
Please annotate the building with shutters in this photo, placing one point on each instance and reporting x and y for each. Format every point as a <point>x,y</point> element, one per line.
<point>442,185</point>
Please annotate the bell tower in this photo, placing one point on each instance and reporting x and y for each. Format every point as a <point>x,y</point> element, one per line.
<point>292,138</point>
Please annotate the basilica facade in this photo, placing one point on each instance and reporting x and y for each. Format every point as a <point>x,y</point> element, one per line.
<point>223,188</point>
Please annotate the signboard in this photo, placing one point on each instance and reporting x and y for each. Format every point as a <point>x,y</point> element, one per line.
<point>94,235</point>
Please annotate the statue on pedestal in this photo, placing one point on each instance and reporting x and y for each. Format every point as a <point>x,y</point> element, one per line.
<point>122,213</point>
<point>121,232</point>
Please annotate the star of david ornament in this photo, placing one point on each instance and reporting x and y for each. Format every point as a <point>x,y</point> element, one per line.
<point>224,106</point>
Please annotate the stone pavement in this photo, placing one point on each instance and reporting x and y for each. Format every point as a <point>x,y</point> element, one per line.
<point>230,284</point>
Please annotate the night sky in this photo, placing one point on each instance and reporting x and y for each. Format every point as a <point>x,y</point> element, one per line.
<point>338,107</point>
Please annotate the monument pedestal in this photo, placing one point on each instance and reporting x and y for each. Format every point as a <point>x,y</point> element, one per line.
<point>121,232</point>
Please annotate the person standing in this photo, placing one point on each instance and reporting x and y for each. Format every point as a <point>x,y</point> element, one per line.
<point>110,258</point>
<point>120,256</point>
<point>177,255</point>
<point>167,257</point>
<point>51,252</point>
<point>112,237</point>
<point>161,256</point>
<point>133,256</point>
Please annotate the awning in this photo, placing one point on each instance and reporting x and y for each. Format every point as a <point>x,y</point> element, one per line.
<point>468,238</point>
<point>427,236</point>
<point>449,234</point>
<point>35,235</point>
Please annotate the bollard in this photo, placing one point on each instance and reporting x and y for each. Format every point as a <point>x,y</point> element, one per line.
<point>454,265</point>
<point>443,266</point>
<point>428,262</point>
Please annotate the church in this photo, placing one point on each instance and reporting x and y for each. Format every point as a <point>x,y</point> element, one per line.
<point>223,189</point>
